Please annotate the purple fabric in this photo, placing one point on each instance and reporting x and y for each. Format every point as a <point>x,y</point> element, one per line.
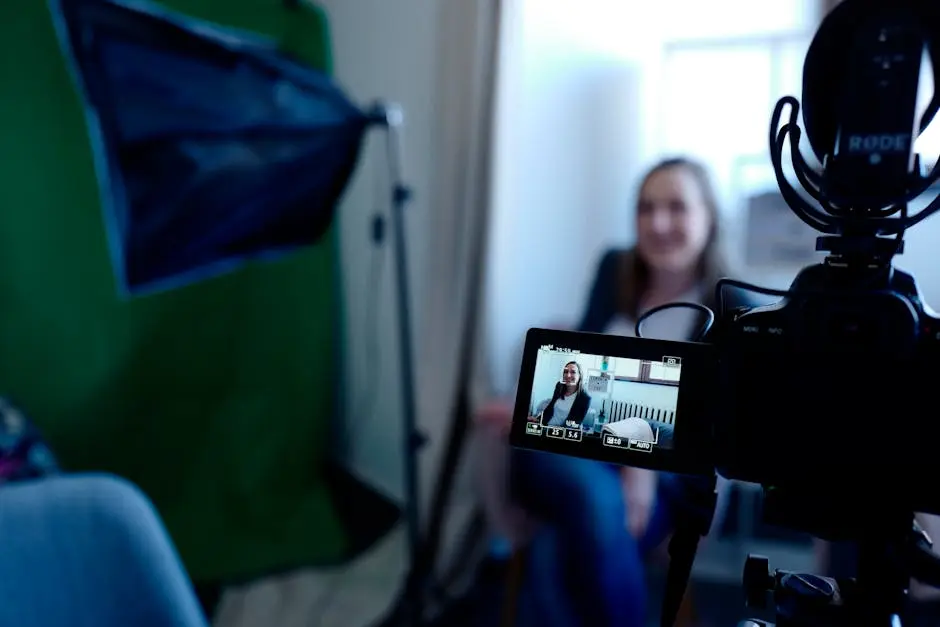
<point>23,452</point>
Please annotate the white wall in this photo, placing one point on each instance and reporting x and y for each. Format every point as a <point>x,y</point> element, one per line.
<point>570,142</point>
<point>921,256</point>
<point>383,50</point>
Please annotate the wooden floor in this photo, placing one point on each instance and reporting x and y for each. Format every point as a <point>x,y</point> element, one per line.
<point>360,594</point>
<point>355,596</point>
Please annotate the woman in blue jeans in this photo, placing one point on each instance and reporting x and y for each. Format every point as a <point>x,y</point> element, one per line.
<point>607,517</point>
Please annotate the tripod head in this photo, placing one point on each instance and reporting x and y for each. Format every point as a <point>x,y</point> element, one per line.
<point>892,550</point>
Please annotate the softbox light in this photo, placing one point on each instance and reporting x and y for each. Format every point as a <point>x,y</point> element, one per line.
<point>212,147</point>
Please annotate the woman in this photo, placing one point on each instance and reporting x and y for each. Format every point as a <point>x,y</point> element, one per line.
<point>569,403</point>
<point>618,513</point>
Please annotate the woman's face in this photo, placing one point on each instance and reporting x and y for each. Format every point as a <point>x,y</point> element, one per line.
<point>673,220</point>
<point>570,376</point>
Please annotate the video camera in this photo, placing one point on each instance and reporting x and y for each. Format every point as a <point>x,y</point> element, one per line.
<point>826,397</point>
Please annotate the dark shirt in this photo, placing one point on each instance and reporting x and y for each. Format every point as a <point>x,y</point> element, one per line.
<point>576,414</point>
<point>602,305</point>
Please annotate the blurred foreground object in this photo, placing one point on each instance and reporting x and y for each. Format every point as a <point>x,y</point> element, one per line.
<point>24,453</point>
<point>89,551</point>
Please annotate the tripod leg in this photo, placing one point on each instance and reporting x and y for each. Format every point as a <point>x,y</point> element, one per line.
<point>514,579</point>
<point>687,616</point>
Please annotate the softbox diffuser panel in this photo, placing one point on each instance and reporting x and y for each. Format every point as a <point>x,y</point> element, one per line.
<point>212,147</point>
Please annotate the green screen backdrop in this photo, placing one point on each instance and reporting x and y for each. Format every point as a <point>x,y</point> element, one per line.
<point>215,399</point>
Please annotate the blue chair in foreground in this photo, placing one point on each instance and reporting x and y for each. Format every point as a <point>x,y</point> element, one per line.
<point>89,551</point>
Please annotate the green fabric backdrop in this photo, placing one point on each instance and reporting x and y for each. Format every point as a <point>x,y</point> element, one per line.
<point>215,399</point>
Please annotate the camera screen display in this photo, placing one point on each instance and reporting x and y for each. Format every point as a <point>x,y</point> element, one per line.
<point>632,401</point>
<point>625,402</point>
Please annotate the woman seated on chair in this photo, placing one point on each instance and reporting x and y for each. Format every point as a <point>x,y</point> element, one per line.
<point>620,513</point>
<point>569,403</point>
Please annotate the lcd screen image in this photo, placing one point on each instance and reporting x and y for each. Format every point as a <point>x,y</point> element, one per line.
<point>617,402</point>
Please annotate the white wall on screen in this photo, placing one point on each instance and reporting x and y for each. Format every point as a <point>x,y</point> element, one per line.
<point>548,370</point>
<point>547,374</point>
<point>625,367</point>
<point>646,394</point>
<point>658,370</point>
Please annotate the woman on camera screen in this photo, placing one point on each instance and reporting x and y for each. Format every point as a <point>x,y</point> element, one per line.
<point>569,403</point>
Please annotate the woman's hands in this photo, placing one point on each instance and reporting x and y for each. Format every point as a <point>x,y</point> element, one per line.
<point>639,495</point>
<point>496,414</point>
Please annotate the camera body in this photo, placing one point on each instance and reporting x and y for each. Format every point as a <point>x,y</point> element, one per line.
<point>830,389</point>
<point>827,392</point>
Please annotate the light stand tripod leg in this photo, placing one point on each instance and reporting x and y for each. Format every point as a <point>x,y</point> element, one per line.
<point>413,438</point>
<point>409,608</point>
<point>691,527</point>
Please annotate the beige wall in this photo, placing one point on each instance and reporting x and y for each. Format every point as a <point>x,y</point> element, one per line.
<point>383,50</point>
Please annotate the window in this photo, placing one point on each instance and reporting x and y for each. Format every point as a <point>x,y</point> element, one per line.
<point>685,20</point>
<point>625,367</point>
<point>660,372</point>
<point>722,77</point>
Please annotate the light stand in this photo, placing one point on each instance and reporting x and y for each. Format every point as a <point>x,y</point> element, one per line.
<point>424,544</point>
<point>410,606</point>
<point>391,118</point>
